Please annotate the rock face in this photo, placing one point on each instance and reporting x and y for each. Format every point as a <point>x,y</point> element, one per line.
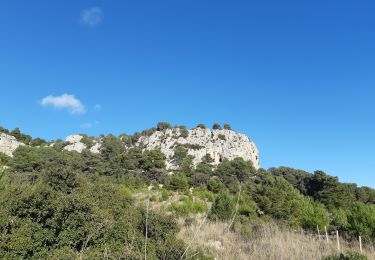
<point>219,144</point>
<point>75,144</point>
<point>8,144</point>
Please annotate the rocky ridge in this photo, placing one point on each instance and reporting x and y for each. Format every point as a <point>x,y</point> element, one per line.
<point>219,144</point>
<point>8,144</point>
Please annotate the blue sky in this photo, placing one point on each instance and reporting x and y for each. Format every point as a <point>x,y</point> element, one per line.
<point>296,76</point>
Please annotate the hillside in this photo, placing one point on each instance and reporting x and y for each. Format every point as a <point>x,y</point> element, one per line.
<point>220,144</point>
<point>171,193</point>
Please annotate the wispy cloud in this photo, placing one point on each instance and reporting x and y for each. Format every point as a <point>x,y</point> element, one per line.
<point>65,101</point>
<point>92,16</point>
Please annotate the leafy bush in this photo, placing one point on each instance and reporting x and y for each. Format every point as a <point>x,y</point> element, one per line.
<point>222,137</point>
<point>26,139</point>
<point>178,182</point>
<point>87,141</point>
<point>348,256</point>
<point>165,194</point>
<point>4,159</point>
<point>4,130</point>
<point>183,131</point>
<point>215,185</point>
<point>223,207</point>
<point>202,126</point>
<point>188,205</point>
<point>163,126</point>
<point>227,127</point>
<point>38,142</point>
<point>216,126</point>
<point>277,198</point>
<point>237,169</point>
<point>361,219</point>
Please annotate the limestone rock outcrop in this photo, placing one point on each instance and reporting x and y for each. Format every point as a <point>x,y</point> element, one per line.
<point>219,144</point>
<point>8,144</point>
<point>75,144</point>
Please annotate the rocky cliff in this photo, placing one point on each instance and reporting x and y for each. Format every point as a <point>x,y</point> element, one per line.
<point>8,144</point>
<point>219,144</point>
<point>75,144</point>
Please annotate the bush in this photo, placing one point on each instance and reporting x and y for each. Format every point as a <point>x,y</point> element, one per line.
<point>159,226</point>
<point>38,142</point>
<point>215,185</point>
<point>204,194</point>
<point>163,126</point>
<point>216,126</point>
<point>188,205</point>
<point>223,207</point>
<point>87,141</point>
<point>222,137</point>
<point>348,256</point>
<point>238,168</point>
<point>227,127</point>
<point>184,132</point>
<point>4,130</point>
<point>26,139</point>
<point>178,182</point>
<point>4,159</point>
<point>361,219</point>
<point>199,179</point>
<point>202,126</point>
<point>60,178</point>
<point>277,198</point>
<point>313,214</point>
<point>165,194</point>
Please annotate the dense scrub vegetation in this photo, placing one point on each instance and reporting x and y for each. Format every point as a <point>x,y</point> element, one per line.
<point>60,204</point>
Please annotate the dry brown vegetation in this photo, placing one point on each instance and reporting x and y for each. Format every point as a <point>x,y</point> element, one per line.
<point>265,241</point>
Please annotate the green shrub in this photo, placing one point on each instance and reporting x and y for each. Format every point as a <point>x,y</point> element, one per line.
<point>178,182</point>
<point>4,159</point>
<point>203,194</point>
<point>347,256</point>
<point>223,207</point>
<point>38,142</point>
<point>222,137</point>
<point>227,127</point>
<point>361,219</point>
<point>202,126</point>
<point>163,126</point>
<point>165,194</point>
<point>87,141</point>
<point>184,132</point>
<point>215,185</point>
<point>188,206</point>
<point>247,207</point>
<point>4,130</point>
<point>216,126</point>
<point>159,226</point>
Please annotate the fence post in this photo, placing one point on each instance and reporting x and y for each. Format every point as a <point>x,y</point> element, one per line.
<point>360,244</point>
<point>338,240</point>
<point>325,227</point>
<point>317,227</point>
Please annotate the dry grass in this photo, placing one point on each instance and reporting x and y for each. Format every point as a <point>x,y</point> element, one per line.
<point>266,241</point>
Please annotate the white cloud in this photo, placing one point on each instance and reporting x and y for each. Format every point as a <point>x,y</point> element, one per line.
<point>92,16</point>
<point>65,101</point>
<point>97,108</point>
